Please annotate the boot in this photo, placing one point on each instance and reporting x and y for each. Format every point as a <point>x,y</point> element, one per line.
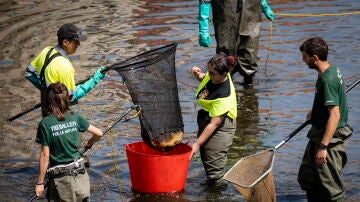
<point>248,80</point>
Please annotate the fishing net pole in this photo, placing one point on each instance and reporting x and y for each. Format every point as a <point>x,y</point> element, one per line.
<point>151,80</point>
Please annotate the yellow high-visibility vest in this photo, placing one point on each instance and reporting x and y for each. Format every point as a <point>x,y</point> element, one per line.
<point>219,106</point>
<point>59,69</point>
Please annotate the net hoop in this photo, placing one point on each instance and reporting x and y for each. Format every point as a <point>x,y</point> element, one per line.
<point>150,78</point>
<point>155,56</point>
<point>247,176</point>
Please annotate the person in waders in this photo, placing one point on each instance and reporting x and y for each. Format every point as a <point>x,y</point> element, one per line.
<point>53,64</point>
<point>325,154</point>
<point>217,118</point>
<point>58,134</point>
<point>237,28</point>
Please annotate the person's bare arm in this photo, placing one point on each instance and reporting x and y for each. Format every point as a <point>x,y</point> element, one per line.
<point>97,134</point>
<point>331,125</point>
<point>207,132</point>
<point>43,165</point>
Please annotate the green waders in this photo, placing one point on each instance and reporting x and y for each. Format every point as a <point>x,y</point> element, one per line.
<point>213,152</point>
<point>323,183</point>
<point>237,28</point>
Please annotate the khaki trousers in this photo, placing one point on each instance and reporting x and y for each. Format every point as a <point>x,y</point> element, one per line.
<point>69,188</point>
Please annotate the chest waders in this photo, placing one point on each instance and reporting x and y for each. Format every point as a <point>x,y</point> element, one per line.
<point>237,30</point>
<point>214,151</point>
<point>47,61</point>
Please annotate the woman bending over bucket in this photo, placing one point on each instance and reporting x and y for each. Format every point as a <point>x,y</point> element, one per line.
<point>58,134</point>
<point>217,118</point>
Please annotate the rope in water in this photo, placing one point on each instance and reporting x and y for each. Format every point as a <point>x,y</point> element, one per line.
<point>318,14</point>
<point>115,166</point>
<point>114,157</point>
<point>270,41</point>
<point>303,15</point>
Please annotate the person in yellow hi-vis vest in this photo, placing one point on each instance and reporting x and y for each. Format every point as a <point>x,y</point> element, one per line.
<point>217,118</point>
<point>53,64</point>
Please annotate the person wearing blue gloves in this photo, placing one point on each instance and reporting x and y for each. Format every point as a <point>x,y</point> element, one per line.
<point>237,28</point>
<point>53,64</point>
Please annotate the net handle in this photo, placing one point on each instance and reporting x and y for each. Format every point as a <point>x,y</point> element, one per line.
<point>308,121</point>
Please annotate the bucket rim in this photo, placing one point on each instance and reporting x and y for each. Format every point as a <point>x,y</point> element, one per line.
<point>127,147</point>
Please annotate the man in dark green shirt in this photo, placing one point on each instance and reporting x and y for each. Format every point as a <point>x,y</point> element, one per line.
<point>325,153</point>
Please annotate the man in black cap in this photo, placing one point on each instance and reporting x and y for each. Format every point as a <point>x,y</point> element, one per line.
<point>54,65</point>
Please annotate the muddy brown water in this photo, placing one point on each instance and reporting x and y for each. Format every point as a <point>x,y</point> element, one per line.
<point>273,108</point>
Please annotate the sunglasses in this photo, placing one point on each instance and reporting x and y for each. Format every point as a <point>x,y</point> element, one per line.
<point>77,35</point>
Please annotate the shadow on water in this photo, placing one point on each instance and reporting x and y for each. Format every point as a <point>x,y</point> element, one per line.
<point>273,108</point>
<point>247,138</point>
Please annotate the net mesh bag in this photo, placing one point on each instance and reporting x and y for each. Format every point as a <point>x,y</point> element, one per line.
<point>251,169</point>
<point>253,178</point>
<point>264,190</point>
<point>151,80</point>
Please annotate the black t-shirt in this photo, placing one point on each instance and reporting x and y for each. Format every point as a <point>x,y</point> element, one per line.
<point>213,91</point>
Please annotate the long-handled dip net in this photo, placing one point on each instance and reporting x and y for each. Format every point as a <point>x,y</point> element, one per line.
<point>251,170</point>
<point>252,175</point>
<point>151,80</point>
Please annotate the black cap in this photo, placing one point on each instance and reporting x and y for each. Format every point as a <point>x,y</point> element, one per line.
<point>70,31</point>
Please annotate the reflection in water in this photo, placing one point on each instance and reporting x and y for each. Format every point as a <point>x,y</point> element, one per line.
<point>246,140</point>
<point>174,197</point>
<point>117,30</point>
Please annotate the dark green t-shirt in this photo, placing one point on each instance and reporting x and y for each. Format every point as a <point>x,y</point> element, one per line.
<point>330,91</point>
<point>62,137</point>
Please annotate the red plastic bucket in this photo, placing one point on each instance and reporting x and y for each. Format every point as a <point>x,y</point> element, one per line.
<point>153,171</point>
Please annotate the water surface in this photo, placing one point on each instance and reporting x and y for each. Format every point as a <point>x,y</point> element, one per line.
<point>273,108</point>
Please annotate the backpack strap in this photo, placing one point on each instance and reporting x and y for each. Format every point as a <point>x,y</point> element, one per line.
<point>46,63</point>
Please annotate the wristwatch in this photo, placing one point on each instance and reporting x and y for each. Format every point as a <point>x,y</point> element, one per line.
<point>323,147</point>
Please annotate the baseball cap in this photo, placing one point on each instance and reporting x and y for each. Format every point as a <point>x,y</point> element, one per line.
<point>70,31</point>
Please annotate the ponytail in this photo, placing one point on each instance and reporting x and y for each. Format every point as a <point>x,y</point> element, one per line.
<point>57,100</point>
<point>222,63</point>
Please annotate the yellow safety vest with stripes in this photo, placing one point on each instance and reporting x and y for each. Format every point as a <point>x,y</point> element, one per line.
<point>219,106</point>
<point>59,69</point>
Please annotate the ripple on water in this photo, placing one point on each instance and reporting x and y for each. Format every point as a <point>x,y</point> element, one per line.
<point>116,30</point>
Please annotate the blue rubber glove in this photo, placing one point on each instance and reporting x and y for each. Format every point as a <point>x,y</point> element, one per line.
<point>204,12</point>
<point>98,75</point>
<point>267,10</point>
<point>82,89</point>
